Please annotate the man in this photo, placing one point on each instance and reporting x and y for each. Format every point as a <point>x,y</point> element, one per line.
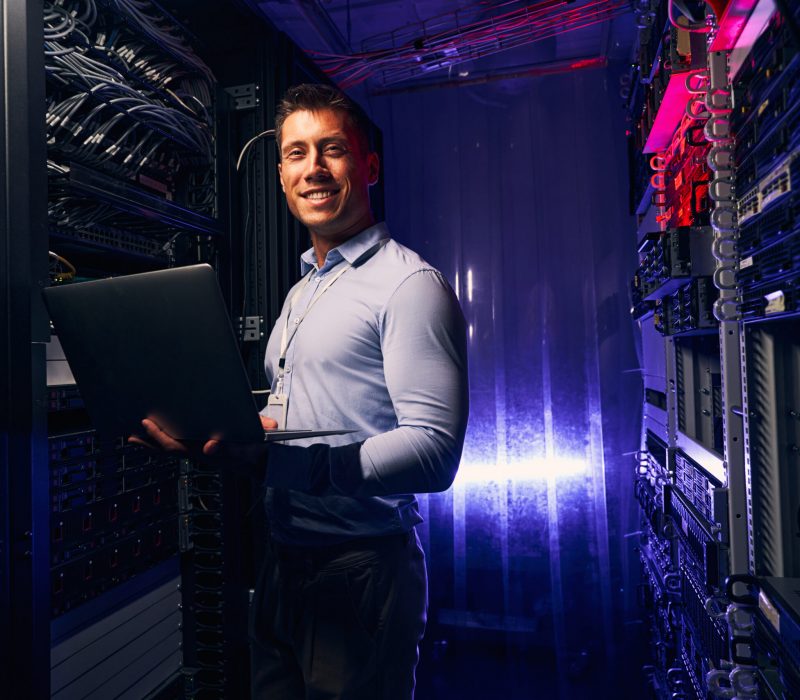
<point>371,339</point>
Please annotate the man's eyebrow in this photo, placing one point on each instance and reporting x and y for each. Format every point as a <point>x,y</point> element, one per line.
<point>292,144</point>
<point>338,136</point>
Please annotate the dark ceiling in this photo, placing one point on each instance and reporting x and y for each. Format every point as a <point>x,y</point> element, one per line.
<point>393,45</point>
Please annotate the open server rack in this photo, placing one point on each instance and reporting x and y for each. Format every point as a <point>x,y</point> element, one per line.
<point>714,99</point>
<point>123,573</point>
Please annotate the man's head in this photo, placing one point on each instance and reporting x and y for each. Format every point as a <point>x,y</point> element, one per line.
<point>313,97</point>
<point>326,166</point>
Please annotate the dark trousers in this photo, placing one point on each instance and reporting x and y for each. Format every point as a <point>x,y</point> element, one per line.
<point>339,622</point>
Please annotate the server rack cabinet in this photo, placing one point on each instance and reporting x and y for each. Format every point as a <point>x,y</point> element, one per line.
<point>729,511</point>
<point>68,601</point>
<point>23,271</point>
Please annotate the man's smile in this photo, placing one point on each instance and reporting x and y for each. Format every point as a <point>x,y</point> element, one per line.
<point>320,195</point>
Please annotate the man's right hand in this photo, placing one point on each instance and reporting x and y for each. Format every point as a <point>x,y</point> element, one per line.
<point>249,457</point>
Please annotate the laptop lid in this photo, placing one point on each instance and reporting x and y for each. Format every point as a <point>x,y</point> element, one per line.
<point>156,344</point>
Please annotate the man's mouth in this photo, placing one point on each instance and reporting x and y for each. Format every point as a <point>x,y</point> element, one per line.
<point>320,195</point>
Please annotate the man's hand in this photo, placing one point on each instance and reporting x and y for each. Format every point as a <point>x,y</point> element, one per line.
<point>213,451</point>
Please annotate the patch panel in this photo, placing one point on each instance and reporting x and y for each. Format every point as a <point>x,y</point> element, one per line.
<point>669,260</point>
<point>709,632</point>
<point>694,663</point>
<point>701,540</point>
<point>687,310</point>
<point>701,489</point>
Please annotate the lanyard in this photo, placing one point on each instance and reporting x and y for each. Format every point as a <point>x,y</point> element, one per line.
<point>286,337</point>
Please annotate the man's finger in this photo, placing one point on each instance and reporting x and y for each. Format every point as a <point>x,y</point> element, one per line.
<point>211,447</point>
<point>137,440</point>
<point>268,423</point>
<point>162,439</point>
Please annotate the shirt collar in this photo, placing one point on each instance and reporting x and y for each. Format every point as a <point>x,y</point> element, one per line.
<point>351,250</point>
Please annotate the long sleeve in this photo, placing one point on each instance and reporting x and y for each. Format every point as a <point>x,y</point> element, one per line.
<point>423,342</point>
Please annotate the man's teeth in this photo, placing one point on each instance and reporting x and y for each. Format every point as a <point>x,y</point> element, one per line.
<point>319,195</point>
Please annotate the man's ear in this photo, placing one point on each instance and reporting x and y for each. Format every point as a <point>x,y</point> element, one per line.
<point>374,165</point>
<point>280,177</point>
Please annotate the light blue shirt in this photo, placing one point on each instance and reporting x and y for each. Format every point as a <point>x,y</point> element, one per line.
<point>381,351</point>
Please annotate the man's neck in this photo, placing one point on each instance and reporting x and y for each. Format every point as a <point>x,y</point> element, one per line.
<point>324,244</point>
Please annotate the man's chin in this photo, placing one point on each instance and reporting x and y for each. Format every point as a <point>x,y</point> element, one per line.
<point>322,225</point>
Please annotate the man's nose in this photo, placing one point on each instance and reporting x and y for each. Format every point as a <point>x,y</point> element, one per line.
<point>316,167</point>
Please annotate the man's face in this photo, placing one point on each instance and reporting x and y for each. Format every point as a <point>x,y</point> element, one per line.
<point>326,174</point>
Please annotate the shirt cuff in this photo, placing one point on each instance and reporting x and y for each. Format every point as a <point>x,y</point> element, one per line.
<point>316,469</point>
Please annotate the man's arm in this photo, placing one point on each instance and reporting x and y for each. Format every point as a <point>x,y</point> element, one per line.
<point>423,340</point>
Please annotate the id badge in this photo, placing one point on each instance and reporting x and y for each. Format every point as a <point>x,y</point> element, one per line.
<point>277,405</point>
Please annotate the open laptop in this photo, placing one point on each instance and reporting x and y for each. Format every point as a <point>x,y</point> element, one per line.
<point>159,345</point>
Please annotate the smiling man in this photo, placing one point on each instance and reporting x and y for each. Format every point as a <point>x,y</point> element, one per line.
<point>326,169</point>
<point>371,339</point>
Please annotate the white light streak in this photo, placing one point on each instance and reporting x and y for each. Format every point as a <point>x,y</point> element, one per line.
<point>469,284</point>
<point>533,469</point>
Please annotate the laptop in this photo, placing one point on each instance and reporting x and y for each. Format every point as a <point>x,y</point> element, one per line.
<point>159,345</point>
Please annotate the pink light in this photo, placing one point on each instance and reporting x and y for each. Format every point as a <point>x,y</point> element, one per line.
<point>589,63</point>
<point>732,23</point>
<point>672,109</point>
<point>758,21</point>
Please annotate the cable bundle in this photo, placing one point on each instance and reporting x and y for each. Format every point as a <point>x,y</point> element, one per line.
<point>127,95</point>
<point>447,41</point>
<point>161,31</point>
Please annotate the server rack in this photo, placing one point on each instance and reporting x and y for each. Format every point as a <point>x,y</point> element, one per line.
<point>123,574</point>
<point>713,105</point>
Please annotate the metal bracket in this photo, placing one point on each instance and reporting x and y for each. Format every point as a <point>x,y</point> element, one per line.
<point>185,542</point>
<point>184,494</point>
<point>244,96</point>
<point>250,328</point>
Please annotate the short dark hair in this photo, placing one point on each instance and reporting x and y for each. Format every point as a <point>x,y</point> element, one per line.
<point>313,97</point>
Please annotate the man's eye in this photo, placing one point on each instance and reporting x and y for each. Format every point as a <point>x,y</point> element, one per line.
<point>334,149</point>
<point>294,153</point>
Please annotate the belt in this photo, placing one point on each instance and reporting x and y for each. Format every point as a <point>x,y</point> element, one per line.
<point>320,557</point>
